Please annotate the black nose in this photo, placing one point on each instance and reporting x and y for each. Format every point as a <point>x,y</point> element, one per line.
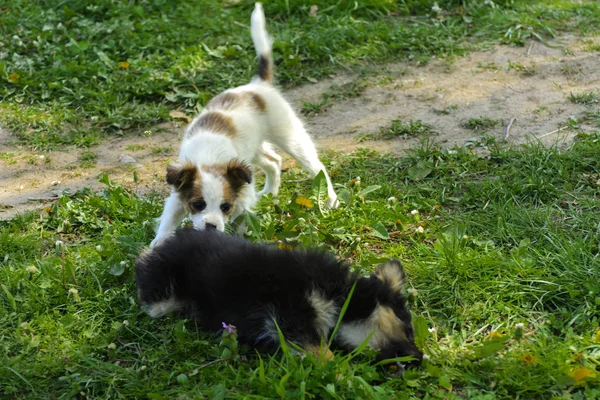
<point>210,227</point>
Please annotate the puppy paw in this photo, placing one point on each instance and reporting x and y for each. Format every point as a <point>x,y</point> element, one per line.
<point>332,203</point>
<point>155,242</point>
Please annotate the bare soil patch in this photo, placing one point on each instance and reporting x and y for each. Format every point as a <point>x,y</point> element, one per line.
<point>532,85</point>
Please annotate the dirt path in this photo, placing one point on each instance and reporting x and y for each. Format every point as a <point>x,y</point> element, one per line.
<point>533,85</point>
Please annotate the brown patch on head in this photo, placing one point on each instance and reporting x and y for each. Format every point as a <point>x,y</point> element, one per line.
<point>187,181</point>
<point>216,122</point>
<point>392,273</point>
<point>238,174</point>
<point>182,176</point>
<point>389,326</point>
<point>235,175</point>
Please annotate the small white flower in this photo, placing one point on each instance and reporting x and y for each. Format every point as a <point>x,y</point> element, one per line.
<point>112,346</point>
<point>25,325</point>
<point>143,368</point>
<point>415,212</point>
<point>520,326</point>
<point>357,181</point>
<point>55,183</point>
<point>123,263</point>
<point>465,237</point>
<point>426,356</point>
<point>126,323</point>
<point>412,291</point>
<point>436,8</point>
<point>42,157</point>
<point>420,229</point>
<point>32,270</point>
<point>74,291</point>
<point>391,199</point>
<point>59,243</point>
<point>433,329</point>
<point>99,248</point>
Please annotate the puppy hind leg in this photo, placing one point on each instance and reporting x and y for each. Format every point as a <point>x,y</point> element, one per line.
<point>300,146</point>
<point>170,219</point>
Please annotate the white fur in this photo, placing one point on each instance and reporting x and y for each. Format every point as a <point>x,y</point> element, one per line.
<point>256,132</point>
<point>160,308</point>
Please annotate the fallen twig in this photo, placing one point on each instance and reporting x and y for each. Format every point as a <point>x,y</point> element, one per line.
<point>218,360</point>
<point>550,133</point>
<point>507,132</point>
<point>529,49</point>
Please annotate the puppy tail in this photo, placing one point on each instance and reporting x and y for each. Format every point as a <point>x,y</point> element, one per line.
<point>262,43</point>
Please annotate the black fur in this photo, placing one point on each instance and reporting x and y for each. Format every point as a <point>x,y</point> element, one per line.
<point>219,278</point>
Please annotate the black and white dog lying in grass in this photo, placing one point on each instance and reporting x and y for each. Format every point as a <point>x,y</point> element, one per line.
<point>222,279</point>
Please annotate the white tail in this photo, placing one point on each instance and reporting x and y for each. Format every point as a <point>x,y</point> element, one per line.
<point>262,43</point>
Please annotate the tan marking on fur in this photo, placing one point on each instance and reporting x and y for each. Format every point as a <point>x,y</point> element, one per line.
<point>191,192</point>
<point>269,157</point>
<point>321,351</point>
<point>256,100</point>
<point>231,100</point>
<point>325,310</point>
<point>225,101</point>
<point>182,175</point>
<point>388,324</point>
<point>382,323</point>
<point>390,274</point>
<point>215,122</point>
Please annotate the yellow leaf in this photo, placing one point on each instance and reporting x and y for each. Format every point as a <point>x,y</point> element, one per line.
<point>528,359</point>
<point>596,338</point>
<point>124,65</point>
<point>304,202</point>
<point>580,373</point>
<point>14,78</point>
<point>495,335</point>
<point>284,246</point>
<point>179,115</point>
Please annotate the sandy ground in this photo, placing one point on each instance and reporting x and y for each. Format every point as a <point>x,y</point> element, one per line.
<point>531,85</point>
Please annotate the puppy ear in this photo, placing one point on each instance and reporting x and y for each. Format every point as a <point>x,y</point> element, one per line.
<point>238,174</point>
<point>181,176</point>
<point>392,273</point>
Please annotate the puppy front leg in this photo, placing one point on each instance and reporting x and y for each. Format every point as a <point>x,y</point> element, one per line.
<point>270,162</point>
<point>170,219</point>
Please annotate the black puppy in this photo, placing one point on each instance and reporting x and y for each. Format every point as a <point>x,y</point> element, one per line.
<point>219,278</point>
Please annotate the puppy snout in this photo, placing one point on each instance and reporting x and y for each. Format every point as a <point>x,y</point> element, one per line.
<point>210,227</point>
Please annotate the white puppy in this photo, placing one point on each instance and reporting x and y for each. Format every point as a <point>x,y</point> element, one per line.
<point>213,180</point>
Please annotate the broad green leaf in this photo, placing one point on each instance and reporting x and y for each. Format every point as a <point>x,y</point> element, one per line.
<point>380,231</point>
<point>319,190</point>
<point>421,331</point>
<point>420,171</point>
<point>368,189</point>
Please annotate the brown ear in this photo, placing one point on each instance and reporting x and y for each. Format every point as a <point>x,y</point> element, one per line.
<point>238,174</point>
<point>392,273</point>
<point>181,176</point>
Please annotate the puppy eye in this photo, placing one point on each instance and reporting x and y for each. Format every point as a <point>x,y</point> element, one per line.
<point>198,205</point>
<point>225,207</point>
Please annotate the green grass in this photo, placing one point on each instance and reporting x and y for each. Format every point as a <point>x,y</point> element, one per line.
<point>73,72</point>
<point>344,91</point>
<point>399,129</point>
<point>481,123</point>
<point>501,253</point>
<point>586,98</point>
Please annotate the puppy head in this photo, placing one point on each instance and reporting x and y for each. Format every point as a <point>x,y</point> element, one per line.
<point>392,315</point>
<point>381,312</point>
<point>210,193</point>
